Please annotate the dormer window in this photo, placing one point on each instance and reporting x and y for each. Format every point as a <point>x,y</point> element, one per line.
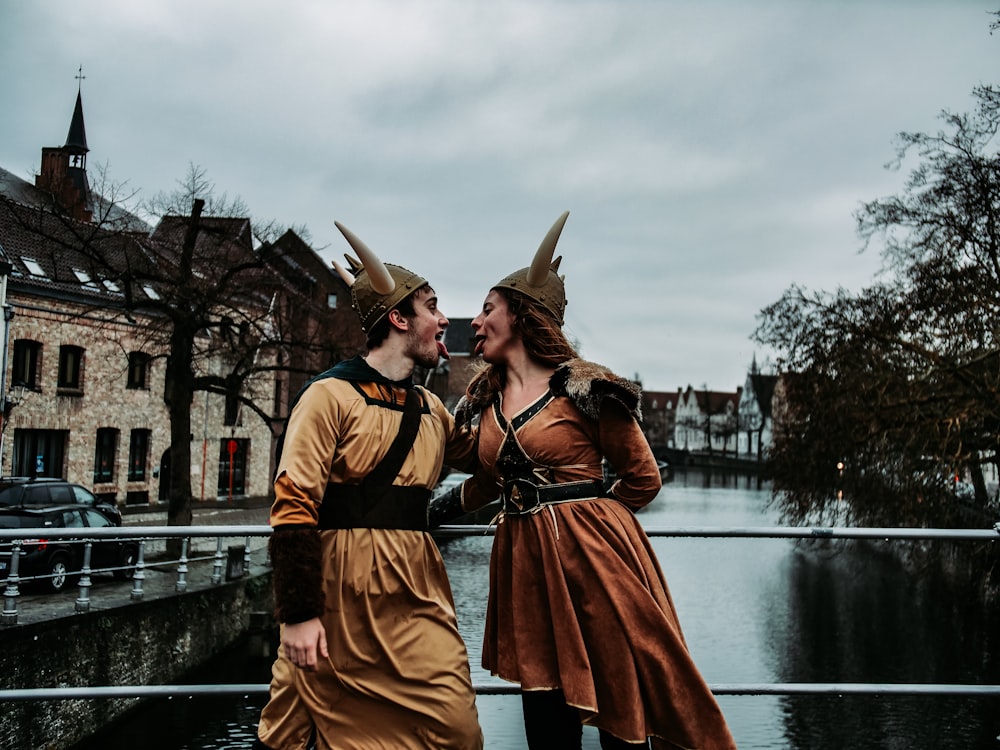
<point>84,278</point>
<point>33,267</point>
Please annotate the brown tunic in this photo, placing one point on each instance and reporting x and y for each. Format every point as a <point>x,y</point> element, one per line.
<point>398,673</point>
<point>577,600</point>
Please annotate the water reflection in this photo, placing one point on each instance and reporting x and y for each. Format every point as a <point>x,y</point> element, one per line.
<point>753,610</point>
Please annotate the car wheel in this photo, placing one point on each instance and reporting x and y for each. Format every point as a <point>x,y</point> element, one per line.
<point>130,554</point>
<point>59,576</point>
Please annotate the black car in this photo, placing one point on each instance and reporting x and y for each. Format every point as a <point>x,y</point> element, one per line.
<point>58,562</point>
<point>30,492</point>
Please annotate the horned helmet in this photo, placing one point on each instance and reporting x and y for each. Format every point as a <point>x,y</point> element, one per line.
<point>541,280</point>
<point>376,287</point>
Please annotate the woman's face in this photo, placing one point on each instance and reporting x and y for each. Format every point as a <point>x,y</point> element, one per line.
<point>494,327</point>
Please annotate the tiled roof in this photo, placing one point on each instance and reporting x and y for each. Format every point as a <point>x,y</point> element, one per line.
<point>22,191</point>
<point>43,251</point>
<point>213,230</point>
<point>661,398</point>
<point>53,255</point>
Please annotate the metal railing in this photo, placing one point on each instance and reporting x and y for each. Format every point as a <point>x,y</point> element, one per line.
<point>222,564</point>
<point>186,534</point>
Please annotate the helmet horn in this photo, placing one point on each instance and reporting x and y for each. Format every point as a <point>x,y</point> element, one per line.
<point>346,275</point>
<point>538,273</point>
<point>381,281</point>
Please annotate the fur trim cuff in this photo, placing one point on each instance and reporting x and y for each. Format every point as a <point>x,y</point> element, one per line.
<point>297,560</point>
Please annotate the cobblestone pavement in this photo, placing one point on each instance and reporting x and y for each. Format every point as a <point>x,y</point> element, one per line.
<point>161,578</point>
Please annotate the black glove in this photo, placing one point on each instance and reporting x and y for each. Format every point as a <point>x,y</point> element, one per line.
<point>445,507</point>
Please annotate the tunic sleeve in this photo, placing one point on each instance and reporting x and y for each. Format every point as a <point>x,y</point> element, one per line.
<point>310,442</point>
<point>459,442</point>
<point>479,490</point>
<point>625,447</point>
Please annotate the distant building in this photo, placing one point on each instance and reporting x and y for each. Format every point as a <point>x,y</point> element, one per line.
<point>707,421</point>
<point>659,417</point>
<point>756,414</point>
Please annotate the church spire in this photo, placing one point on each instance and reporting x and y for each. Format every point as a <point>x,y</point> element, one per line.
<point>76,139</point>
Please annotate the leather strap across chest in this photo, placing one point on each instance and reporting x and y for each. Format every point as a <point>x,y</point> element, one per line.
<point>376,503</point>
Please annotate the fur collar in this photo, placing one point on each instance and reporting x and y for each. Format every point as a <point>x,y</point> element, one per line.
<point>585,383</point>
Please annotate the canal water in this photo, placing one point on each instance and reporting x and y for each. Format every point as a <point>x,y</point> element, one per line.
<point>753,611</point>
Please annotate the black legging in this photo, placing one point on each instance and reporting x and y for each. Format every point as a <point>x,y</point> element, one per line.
<point>550,724</point>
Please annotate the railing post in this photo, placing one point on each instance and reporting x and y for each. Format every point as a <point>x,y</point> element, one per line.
<point>139,574</point>
<point>182,566</point>
<point>246,558</point>
<point>10,592</point>
<point>217,563</point>
<point>83,600</point>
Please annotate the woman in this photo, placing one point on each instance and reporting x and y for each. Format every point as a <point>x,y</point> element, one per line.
<point>579,612</point>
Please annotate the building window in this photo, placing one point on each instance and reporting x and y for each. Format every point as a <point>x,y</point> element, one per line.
<point>232,466</point>
<point>27,361</point>
<point>232,412</point>
<point>138,455</point>
<point>34,268</point>
<point>138,497</point>
<point>138,370</point>
<point>104,455</point>
<point>331,300</point>
<point>39,453</point>
<point>70,367</point>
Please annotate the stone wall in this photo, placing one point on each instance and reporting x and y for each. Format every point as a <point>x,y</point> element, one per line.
<point>148,642</point>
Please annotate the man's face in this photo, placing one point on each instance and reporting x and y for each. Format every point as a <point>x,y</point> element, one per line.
<point>426,329</point>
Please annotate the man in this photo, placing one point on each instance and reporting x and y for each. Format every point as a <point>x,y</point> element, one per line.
<point>370,653</point>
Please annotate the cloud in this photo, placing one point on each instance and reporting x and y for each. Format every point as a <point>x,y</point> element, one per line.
<point>711,153</point>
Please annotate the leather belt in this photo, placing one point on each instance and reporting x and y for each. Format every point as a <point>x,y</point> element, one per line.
<point>522,496</point>
<point>349,506</point>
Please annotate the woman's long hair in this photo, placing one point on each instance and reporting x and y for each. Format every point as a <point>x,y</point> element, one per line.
<point>543,339</point>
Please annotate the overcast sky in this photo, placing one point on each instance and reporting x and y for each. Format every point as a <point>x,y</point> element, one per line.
<point>710,153</point>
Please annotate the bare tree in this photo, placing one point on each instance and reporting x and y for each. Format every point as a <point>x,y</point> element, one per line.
<point>895,390</point>
<point>228,313</point>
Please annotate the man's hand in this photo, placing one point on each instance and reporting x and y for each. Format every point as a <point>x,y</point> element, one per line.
<point>304,643</point>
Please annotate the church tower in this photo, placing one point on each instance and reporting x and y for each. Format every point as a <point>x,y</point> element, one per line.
<point>64,169</point>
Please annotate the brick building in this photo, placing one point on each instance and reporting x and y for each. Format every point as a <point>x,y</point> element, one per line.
<point>83,381</point>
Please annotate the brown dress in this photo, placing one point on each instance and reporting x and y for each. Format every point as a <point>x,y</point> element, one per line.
<point>577,599</point>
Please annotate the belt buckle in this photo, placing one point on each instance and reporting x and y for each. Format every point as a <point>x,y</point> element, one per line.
<point>522,494</point>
